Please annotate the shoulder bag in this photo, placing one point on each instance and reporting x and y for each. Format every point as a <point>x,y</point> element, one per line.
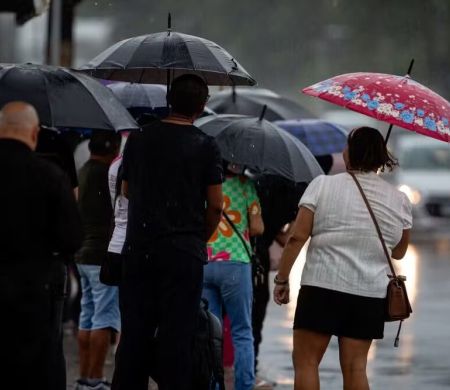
<point>398,307</point>
<point>257,268</point>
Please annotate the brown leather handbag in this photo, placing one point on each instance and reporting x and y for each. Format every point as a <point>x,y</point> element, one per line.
<point>398,307</point>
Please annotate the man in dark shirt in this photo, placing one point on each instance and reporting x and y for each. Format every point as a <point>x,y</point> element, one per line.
<point>99,302</point>
<point>172,176</point>
<point>39,226</point>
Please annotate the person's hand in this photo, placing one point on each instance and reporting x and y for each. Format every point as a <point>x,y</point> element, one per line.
<point>281,294</point>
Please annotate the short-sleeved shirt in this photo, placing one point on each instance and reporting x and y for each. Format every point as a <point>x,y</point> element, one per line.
<point>345,253</point>
<point>240,201</point>
<point>94,203</point>
<point>168,168</point>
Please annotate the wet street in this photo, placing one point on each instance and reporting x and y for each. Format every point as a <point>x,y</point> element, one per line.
<point>421,362</point>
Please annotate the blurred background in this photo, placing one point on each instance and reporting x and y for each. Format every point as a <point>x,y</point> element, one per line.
<point>284,44</point>
<point>287,45</point>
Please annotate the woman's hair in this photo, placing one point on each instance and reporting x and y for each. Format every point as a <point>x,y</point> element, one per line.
<point>367,150</point>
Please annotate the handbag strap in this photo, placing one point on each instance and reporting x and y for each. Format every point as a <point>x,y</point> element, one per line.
<point>374,219</point>
<point>233,226</point>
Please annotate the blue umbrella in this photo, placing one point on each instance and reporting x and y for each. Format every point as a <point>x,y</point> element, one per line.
<point>319,136</point>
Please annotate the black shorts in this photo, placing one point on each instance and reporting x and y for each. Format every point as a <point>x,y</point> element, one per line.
<point>340,314</point>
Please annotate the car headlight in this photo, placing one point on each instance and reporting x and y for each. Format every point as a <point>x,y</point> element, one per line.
<point>413,195</point>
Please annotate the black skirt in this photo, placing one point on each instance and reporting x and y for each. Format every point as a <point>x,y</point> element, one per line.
<point>340,314</point>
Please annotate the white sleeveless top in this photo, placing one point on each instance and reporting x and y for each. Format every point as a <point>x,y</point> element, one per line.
<point>345,253</point>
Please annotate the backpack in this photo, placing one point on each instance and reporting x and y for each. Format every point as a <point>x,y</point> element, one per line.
<point>207,351</point>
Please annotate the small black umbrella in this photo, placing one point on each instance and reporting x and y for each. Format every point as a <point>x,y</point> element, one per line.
<point>248,101</point>
<point>64,98</point>
<point>261,146</point>
<point>158,58</point>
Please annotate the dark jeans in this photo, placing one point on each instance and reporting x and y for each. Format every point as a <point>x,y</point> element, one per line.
<point>32,304</point>
<point>261,296</point>
<point>159,300</point>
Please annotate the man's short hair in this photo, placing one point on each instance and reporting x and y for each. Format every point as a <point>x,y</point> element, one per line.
<point>188,94</point>
<point>104,143</point>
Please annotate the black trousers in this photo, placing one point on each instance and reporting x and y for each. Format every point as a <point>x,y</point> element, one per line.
<point>261,296</point>
<point>31,324</point>
<point>159,300</point>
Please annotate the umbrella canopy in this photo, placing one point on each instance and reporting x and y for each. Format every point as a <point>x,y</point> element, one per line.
<point>261,146</point>
<point>397,100</point>
<point>320,137</point>
<point>249,101</point>
<point>133,95</point>
<point>64,98</point>
<point>152,58</point>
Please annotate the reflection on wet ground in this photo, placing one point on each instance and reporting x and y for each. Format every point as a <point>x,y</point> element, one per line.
<point>423,359</point>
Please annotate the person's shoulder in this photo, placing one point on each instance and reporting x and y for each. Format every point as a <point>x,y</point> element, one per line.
<point>47,169</point>
<point>389,188</point>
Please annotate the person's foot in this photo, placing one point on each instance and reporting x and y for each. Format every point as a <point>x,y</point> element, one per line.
<point>262,384</point>
<point>103,385</point>
<point>80,385</point>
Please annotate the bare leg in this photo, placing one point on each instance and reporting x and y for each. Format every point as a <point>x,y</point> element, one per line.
<point>83,346</point>
<point>98,348</point>
<point>309,348</point>
<point>353,359</point>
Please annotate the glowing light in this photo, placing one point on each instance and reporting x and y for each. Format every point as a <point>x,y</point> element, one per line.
<point>413,195</point>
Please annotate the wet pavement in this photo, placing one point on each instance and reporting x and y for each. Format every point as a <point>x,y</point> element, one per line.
<point>421,362</point>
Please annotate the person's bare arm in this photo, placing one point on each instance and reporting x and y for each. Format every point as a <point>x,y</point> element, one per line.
<point>256,225</point>
<point>283,236</point>
<point>301,232</point>
<point>214,206</point>
<point>125,188</point>
<point>400,250</point>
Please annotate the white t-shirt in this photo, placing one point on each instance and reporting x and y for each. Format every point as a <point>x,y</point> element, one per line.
<point>120,210</point>
<point>345,253</point>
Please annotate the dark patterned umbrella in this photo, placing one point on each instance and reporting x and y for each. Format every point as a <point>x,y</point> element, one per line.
<point>261,146</point>
<point>64,98</point>
<point>158,58</point>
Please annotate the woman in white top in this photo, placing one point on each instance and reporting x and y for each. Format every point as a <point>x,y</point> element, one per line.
<point>344,281</point>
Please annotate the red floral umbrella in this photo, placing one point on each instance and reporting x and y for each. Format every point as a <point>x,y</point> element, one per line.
<point>398,100</point>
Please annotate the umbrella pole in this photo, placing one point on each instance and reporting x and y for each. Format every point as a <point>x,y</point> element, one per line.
<point>168,85</point>
<point>263,112</point>
<point>408,73</point>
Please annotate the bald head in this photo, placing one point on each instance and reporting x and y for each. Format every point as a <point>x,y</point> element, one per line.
<point>19,121</point>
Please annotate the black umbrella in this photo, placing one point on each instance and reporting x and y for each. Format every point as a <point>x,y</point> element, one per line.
<point>158,58</point>
<point>248,101</point>
<point>64,98</point>
<point>261,146</point>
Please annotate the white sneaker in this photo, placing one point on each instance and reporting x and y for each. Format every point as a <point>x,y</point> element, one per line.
<point>80,385</point>
<point>103,385</point>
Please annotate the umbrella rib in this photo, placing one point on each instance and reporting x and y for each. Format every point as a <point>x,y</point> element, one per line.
<point>111,125</point>
<point>48,98</point>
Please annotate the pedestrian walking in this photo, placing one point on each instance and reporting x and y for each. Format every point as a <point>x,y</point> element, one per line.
<point>172,176</point>
<point>227,280</point>
<point>279,204</point>
<point>99,315</point>
<point>40,227</point>
<point>344,281</point>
